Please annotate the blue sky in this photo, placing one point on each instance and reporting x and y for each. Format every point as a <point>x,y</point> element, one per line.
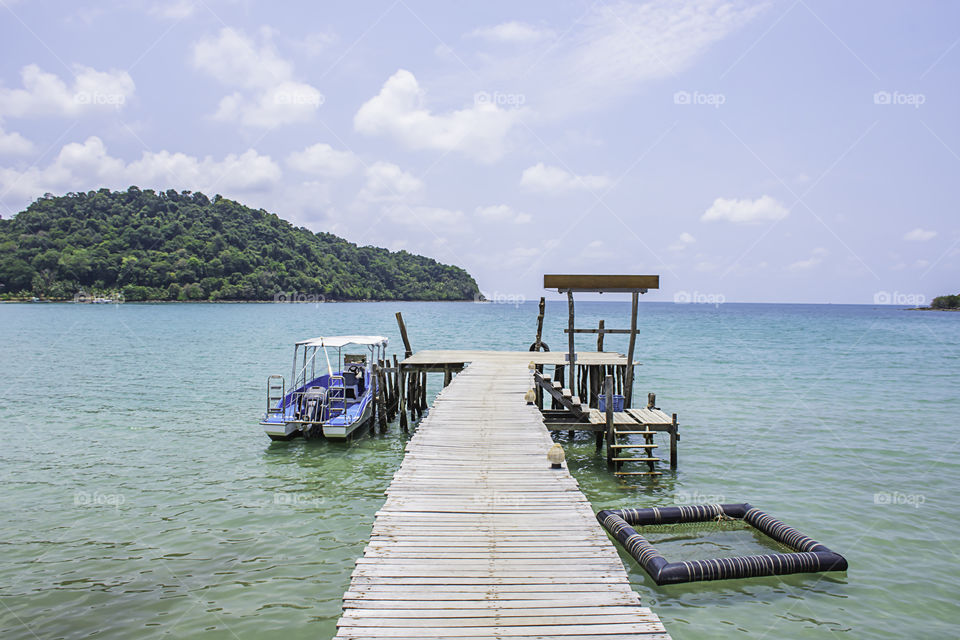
<point>785,151</point>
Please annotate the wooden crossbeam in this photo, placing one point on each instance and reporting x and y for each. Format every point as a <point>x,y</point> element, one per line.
<point>600,283</point>
<point>599,331</point>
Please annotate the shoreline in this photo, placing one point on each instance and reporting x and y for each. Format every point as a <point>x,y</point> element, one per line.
<point>70,301</point>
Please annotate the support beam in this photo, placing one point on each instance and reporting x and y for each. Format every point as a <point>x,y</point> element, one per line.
<point>674,437</point>
<point>628,380</point>
<point>600,333</point>
<point>572,354</point>
<point>608,391</point>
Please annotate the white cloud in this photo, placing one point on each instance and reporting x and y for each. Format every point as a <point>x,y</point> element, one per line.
<point>608,53</point>
<point>746,210</point>
<point>594,250</point>
<point>513,32</point>
<point>269,93</point>
<point>814,260</point>
<point>438,219</point>
<point>541,177</point>
<point>175,10</point>
<point>398,111</point>
<point>314,44</point>
<point>323,160</point>
<point>44,93</point>
<point>919,235</point>
<point>87,165</point>
<point>682,242</point>
<point>13,144</point>
<point>502,213</point>
<point>387,182</point>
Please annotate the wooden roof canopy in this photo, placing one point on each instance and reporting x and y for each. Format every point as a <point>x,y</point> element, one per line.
<point>600,283</point>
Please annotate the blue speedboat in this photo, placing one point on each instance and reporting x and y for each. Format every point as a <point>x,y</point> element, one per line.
<point>334,404</point>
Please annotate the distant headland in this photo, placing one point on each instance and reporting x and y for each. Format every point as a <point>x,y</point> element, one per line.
<point>144,245</point>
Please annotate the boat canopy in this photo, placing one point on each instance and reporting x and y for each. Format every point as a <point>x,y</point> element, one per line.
<point>342,341</point>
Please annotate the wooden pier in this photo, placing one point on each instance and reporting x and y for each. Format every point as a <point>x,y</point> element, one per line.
<point>479,537</point>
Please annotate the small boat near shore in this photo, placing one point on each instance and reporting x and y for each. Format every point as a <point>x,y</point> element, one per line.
<point>335,404</point>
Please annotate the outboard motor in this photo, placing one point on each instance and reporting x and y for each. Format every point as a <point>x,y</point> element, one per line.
<point>313,399</point>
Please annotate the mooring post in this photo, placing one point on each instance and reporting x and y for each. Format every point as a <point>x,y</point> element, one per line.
<point>395,383</point>
<point>600,336</point>
<point>539,341</point>
<point>572,356</point>
<point>651,401</point>
<point>423,393</point>
<point>381,399</point>
<point>674,437</point>
<point>628,379</point>
<point>402,383</point>
<point>608,391</point>
<point>403,335</point>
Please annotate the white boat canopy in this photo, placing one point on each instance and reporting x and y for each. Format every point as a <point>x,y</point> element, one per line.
<point>342,341</point>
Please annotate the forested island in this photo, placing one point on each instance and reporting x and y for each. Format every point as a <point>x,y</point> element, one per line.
<point>946,302</point>
<point>148,245</point>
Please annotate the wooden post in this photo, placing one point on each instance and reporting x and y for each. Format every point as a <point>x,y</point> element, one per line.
<point>558,376</point>
<point>651,400</point>
<point>381,399</point>
<point>539,390</point>
<point>423,393</point>
<point>402,383</point>
<point>447,376</point>
<point>572,354</point>
<point>600,336</point>
<point>608,391</point>
<point>403,335</point>
<point>539,341</point>
<point>414,378</point>
<point>395,381</point>
<point>628,378</point>
<point>674,437</point>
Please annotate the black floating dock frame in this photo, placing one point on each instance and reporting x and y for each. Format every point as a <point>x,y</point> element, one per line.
<point>810,556</point>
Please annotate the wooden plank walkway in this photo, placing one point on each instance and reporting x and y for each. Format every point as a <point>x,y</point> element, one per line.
<point>480,538</point>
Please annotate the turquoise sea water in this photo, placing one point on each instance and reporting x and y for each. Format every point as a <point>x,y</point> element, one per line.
<point>141,499</point>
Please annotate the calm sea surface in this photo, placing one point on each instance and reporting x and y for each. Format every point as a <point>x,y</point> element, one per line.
<point>141,500</point>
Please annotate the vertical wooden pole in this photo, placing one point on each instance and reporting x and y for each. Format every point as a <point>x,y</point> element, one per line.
<point>403,335</point>
<point>557,375</point>
<point>539,390</point>
<point>571,384</point>
<point>395,381</point>
<point>402,383</point>
<point>608,391</point>
<point>447,376</point>
<point>423,393</point>
<point>381,399</point>
<point>628,378</point>
<point>600,336</point>
<point>674,437</point>
<point>651,400</point>
<point>539,340</point>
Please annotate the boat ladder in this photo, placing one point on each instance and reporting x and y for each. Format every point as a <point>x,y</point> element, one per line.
<point>276,392</point>
<point>336,392</point>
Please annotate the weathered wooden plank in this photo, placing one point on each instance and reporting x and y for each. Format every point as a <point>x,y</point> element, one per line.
<point>600,283</point>
<point>478,537</point>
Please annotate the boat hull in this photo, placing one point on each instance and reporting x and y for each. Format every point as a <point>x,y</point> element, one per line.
<point>333,431</point>
<point>281,430</point>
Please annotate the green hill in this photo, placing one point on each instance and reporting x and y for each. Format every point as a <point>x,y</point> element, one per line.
<point>185,246</point>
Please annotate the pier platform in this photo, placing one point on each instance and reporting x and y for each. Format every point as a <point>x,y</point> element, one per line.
<point>479,537</point>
